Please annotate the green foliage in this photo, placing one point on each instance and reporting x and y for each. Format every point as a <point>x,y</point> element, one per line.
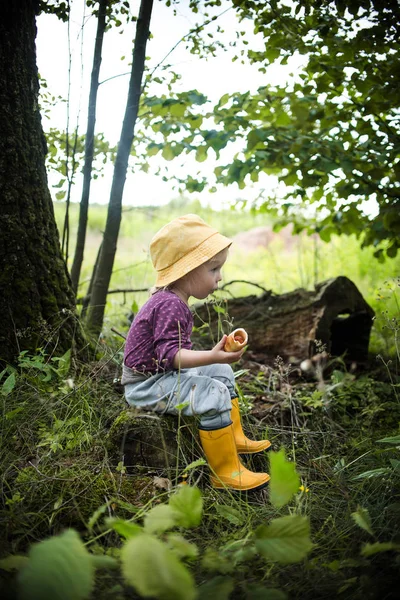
<point>156,572</point>
<point>285,481</point>
<point>58,147</point>
<point>285,540</point>
<point>58,568</point>
<point>40,366</point>
<point>378,547</point>
<point>56,7</point>
<point>331,134</point>
<point>151,559</point>
<point>362,518</point>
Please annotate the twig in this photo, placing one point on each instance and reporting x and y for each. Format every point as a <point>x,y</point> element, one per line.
<point>118,291</point>
<point>118,333</point>
<point>244,281</point>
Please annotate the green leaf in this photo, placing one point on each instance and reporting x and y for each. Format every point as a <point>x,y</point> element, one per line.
<point>196,463</point>
<point>154,570</point>
<point>219,309</point>
<point>194,97</point>
<point>370,549</point>
<point>181,547</point>
<point>284,540</point>
<point>263,593</point>
<point>64,363</point>
<point>127,529</point>
<point>230,514</point>
<point>188,506</point>
<point>201,154</point>
<point>178,109</point>
<point>395,464</point>
<point>59,568</point>
<point>152,149</point>
<point>11,414</point>
<point>284,482</point>
<point>8,385</point>
<point>160,519</point>
<point>373,473</point>
<point>14,562</point>
<point>223,100</point>
<point>362,518</point>
<point>390,440</point>
<point>168,152</point>
<point>100,561</point>
<point>272,53</point>
<point>219,588</point>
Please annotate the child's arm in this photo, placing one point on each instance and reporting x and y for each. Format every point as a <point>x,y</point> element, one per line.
<point>187,359</point>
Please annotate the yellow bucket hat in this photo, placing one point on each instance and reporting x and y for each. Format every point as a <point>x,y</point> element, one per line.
<point>182,245</point>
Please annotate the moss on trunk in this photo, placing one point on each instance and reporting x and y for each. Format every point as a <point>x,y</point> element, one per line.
<point>36,300</point>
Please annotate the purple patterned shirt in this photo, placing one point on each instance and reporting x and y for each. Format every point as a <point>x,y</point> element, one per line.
<point>162,326</point>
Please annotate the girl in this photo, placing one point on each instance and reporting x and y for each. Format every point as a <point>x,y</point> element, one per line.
<point>162,371</point>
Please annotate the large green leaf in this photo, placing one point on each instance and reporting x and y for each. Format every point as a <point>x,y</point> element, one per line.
<point>13,562</point>
<point>377,547</point>
<point>218,588</point>
<point>363,520</point>
<point>154,570</point>
<point>372,473</point>
<point>230,513</point>
<point>284,540</point>
<point>160,519</point>
<point>181,547</point>
<point>125,528</point>
<point>265,593</point>
<point>285,481</point>
<point>395,440</point>
<point>187,504</point>
<point>59,568</point>
<point>8,385</point>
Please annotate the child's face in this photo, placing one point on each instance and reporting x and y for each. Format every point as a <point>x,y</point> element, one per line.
<point>203,280</point>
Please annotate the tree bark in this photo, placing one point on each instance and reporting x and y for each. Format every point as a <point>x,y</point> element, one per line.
<point>103,273</point>
<point>294,325</point>
<point>89,148</point>
<point>36,299</point>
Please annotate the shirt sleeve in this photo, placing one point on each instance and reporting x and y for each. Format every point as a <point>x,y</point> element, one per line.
<point>172,327</point>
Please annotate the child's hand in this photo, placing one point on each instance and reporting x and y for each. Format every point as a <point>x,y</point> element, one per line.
<point>220,356</point>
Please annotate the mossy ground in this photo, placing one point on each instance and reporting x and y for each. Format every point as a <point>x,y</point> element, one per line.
<point>64,465</point>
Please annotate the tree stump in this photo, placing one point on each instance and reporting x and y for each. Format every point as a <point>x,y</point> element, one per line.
<point>143,440</point>
<point>292,325</point>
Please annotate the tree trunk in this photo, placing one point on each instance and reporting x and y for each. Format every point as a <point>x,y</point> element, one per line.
<point>295,324</point>
<point>36,299</point>
<point>103,273</point>
<point>89,147</point>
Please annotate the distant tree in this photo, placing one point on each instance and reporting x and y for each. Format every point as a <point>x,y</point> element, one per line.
<point>36,298</point>
<point>89,146</point>
<point>102,274</point>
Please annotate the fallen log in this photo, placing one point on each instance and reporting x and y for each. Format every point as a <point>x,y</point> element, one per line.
<point>294,325</point>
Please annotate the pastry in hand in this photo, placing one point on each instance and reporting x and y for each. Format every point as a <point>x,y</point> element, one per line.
<point>236,340</point>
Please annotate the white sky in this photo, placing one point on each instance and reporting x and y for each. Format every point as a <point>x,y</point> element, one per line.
<point>213,77</point>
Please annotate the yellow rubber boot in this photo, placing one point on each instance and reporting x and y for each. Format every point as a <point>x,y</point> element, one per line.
<point>243,444</point>
<point>222,457</point>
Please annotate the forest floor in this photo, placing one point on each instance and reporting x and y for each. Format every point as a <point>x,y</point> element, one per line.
<point>339,427</point>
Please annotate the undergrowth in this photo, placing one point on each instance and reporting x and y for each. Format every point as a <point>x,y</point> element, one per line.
<point>67,480</point>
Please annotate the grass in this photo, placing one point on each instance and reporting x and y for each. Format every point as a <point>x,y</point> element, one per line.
<point>59,469</point>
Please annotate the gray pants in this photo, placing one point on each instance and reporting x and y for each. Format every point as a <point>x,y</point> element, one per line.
<point>205,392</point>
